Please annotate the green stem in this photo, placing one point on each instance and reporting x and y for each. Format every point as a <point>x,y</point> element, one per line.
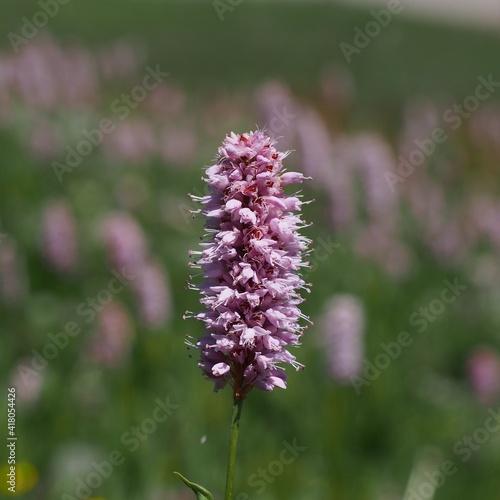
<point>231,464</point>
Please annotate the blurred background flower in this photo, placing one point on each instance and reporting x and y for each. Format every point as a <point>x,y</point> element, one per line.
<point>343,332</point>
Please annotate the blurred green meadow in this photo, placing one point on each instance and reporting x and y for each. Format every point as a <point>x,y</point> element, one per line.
<point>109,400</point>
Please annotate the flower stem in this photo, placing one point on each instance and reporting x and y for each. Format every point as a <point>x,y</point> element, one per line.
<point>231,464</point>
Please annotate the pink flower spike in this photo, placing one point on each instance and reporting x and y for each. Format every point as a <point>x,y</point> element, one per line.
<point>250,260</point>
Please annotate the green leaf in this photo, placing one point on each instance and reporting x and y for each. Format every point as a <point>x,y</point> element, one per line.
<point>200,492</point>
